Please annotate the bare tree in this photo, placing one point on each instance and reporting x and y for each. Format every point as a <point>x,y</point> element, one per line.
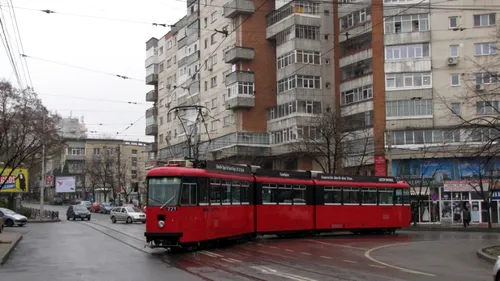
<point>123,177</point>
<point>91,176</point>
<point>421,175</point>
<point>332,141</point>
<point>25,126</point>
<point>103,171</point>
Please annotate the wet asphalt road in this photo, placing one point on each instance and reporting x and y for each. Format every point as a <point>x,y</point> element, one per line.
<point>90,250</point>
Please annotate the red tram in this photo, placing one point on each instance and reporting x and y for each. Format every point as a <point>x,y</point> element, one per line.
<point>189,206</point>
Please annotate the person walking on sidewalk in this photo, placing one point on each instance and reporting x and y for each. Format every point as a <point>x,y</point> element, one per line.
<point>465,216</point>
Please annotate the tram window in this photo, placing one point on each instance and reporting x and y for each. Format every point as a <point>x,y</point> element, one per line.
<point>245,189</point>
<point>203,191</point>
<point>269,194</point>
<point>299,195</point>
<point>285,194</point>
<point>333,195</point>
<point>236,193</point>
<point>226,192</point>
<point>398,196</point>
<point>188,196</point>
<point>215,192</point>
<point>406,196</point>
<point>385,196</point>
<point>369,196</point>
<point>350,195</point>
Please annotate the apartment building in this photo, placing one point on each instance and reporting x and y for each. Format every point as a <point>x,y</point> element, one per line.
<point>258,71</point>
<point>82,154</point>
<point>72,127</point>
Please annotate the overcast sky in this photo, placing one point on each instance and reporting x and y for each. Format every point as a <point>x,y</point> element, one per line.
<point>108,46</point>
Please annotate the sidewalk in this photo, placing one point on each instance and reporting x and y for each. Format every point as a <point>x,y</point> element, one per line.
<point>482,227</point>
<point>8,243</point>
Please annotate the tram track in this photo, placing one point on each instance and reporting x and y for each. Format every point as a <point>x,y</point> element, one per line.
<point>172,263</point>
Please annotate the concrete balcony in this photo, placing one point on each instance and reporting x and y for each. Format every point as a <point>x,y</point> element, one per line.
<point>192,17</point>
<point>357,57</point>
<point>152,79</point>
<point>152,147</point>
<point>152,96</point>
<point>181,43</point>
<point>188,99</point>
<point>239,53</point>
<point>240,101</point>
<point>153,111</point>
<point>295,19</point>
<point>75,157</point>
<point>238,7</point>
<point>152,130</point>
<point>151,60</point>
<point>178,25</point>
<point>410,65</point>
<point>193,37</point>
<point>407,38</point>
<point>240,76</point>
<point>189,59</point>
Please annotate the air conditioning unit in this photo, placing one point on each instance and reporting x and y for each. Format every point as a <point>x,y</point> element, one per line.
<point>452,61</point>
<point>479,87</point>
<point>168,86</point>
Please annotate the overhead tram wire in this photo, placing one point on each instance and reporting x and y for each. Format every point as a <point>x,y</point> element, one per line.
<point>130,126</point>
<point>84,68</point>
<point>94,99</point>
<point>6,43</point>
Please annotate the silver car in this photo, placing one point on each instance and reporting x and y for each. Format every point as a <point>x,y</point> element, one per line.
<point>496,270</point>
<point>12,218</point>
<point>127,214</point>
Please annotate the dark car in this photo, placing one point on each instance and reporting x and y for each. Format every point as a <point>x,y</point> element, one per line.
<point>77,211</point>
<point>105,208</point>
<point>57,201</point>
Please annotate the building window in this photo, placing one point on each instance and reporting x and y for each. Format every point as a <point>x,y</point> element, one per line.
<point>484,20</point>
<point>161,120</point>
<point>212,39</point>
<point>292,7</point>
<point>213,60</point>
<point>97,151</point>
<point>169,63</point>
<point>425,137</point>
<point>485,49</point>
<point>456,108</point>
<point>455,79</point>
<point>214,103</point>
<point>161,67</point>
<point>487,107</point>
<point>409,108</point>
<point>307,32</point>
<point>355,18</point>
<point>169,45</point>
<point>160,137</point>
<point>224,74</point>
<point>206,85</point>
<point>213,16</point>
<point>356,95</point>
<point>297,56</point>
<point>214,125</point>
<point>486,78</point>
<point>453,22</point>
<point>160,51</point>
<point>403,81</point>
<point>407,23</point>
<point>454,51</point>
<point>407,51</point>
<point>299,81</point>
<point>240,88</point>
<point>213,82</point>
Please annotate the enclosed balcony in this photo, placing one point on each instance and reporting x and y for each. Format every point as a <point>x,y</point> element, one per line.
<point>189,59</point>
<point>152,79</point>
<point>152,147</point>
<point>240,101</point>
<point>152,96</point>
<point>293,13</point>
<point>152,130</point>
<point>239,53</point>
<point>240,76</point>
<point>153,111</point>
<point>238,7</point>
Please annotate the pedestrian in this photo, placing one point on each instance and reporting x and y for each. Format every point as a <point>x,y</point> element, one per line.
<point>465,217</point>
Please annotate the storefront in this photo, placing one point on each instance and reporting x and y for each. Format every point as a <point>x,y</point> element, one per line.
<point>441,187</point>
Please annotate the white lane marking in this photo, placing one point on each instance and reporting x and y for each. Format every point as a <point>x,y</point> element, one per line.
<point>227,260</point>
<point>349,261</point>
<point>325,257</point>
<point>377,266</point>
<point>290,276</point>
<point>338,245</point>
<point>368,256</point>
<point>307,254</point>
<point>273,247</point>
<point>288,250</point>
<point>235,260</point>
<point>211,254</point>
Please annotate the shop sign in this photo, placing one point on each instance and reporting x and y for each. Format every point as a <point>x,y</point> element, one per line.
<point>464,185</point>
<point>495,195</point>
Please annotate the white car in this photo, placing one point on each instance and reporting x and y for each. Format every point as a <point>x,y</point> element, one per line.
<point>127,214</point>
<point>496,270</point>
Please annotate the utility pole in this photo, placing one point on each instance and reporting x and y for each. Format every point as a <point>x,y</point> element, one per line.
<point>119,170</point>
<point>42,177</point>
<point>389,152</point>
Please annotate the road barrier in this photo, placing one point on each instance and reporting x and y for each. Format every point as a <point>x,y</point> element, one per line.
<point>32,213</point>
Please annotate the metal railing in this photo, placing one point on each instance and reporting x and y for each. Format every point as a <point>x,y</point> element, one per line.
<point>36,214</point>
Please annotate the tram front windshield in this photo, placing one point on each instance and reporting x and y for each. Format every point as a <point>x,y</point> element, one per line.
<point>163,191</point>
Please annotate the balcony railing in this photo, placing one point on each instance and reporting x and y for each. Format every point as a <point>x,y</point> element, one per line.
<point>237,7</point>
<point>152,79</point>
<point>152,96</point>
<point>239,53</point>
<point>294,7</point>
<point>152,130</point>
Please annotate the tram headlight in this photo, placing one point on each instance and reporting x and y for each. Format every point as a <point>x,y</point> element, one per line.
<point>161,224</point>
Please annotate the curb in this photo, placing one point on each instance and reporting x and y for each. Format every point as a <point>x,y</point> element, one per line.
<point>11,249</point>
<point>483,230</point>
<point>44,221</point>
<point>480,253</point>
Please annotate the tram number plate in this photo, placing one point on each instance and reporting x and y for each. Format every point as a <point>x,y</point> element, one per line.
<point>171,209</point>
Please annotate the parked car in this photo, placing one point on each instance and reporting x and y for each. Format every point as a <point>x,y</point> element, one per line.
<point>87,204</point>
<point>127,214</point>
<point>496,270</point>
<point>1,223</point>
<point>77,211</point>
<point>12,218</point>
<point>57,201</point>
<point>105,208</point>
<point>95,207</point>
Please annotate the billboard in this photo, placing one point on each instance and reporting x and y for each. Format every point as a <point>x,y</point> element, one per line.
<point>65,184</point>
<point>14,180</point>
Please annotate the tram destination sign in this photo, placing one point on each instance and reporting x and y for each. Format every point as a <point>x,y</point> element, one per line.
<point>230,168</point>
<point>356,178</point>
<point>283,174</point>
